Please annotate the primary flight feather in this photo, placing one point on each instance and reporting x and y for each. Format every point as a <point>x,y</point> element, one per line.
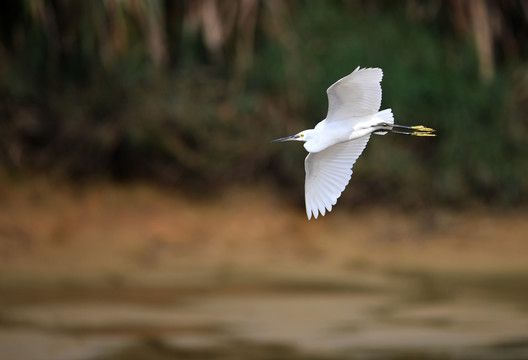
<point>336,142</point>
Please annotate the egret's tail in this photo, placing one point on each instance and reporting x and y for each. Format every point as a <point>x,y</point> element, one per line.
<point>386,119</point>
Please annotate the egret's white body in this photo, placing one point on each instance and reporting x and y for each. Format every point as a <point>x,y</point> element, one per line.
<point>337,141</point>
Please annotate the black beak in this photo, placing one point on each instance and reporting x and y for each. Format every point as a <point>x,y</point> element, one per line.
<point>293,137</point>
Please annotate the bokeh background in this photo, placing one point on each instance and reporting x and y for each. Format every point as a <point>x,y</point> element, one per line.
<point>144,213</point>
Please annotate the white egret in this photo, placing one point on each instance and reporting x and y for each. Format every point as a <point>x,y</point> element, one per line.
<point>337,141</point>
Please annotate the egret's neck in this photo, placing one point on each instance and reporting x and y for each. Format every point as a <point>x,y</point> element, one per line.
<point>308,134</point>
<point>313,142</point>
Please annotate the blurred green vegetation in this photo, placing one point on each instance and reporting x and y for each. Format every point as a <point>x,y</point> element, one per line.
<point>191,92</point>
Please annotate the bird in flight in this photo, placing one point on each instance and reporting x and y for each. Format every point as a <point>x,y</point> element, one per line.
<point>337,141</point>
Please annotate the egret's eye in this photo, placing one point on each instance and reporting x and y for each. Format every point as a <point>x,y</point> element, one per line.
<point>301,135</point>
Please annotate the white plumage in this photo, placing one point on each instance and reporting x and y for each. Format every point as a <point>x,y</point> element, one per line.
<point>335,143</point>
<point>328,173</point>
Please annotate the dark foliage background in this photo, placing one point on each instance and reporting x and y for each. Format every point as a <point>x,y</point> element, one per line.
<point>191,92</point>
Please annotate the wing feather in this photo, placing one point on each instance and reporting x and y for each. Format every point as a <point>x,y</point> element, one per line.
<point>328,173</point>
<point>355,95</point>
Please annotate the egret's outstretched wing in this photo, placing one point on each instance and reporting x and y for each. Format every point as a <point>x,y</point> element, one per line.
<point>328,173</point>
<point>358,94</point>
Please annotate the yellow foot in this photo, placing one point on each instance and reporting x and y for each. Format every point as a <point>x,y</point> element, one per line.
<point>422,128</point>
<point>419,133</point>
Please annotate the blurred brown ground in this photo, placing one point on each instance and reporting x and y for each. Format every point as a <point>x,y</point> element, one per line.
<point>65,232</point>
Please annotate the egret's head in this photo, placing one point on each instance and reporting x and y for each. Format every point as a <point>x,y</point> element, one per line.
<point>302,136</point>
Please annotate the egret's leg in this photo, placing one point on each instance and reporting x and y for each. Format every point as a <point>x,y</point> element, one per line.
<point>399,132</point>
<point>417,127</point>
<point>418,130</point>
